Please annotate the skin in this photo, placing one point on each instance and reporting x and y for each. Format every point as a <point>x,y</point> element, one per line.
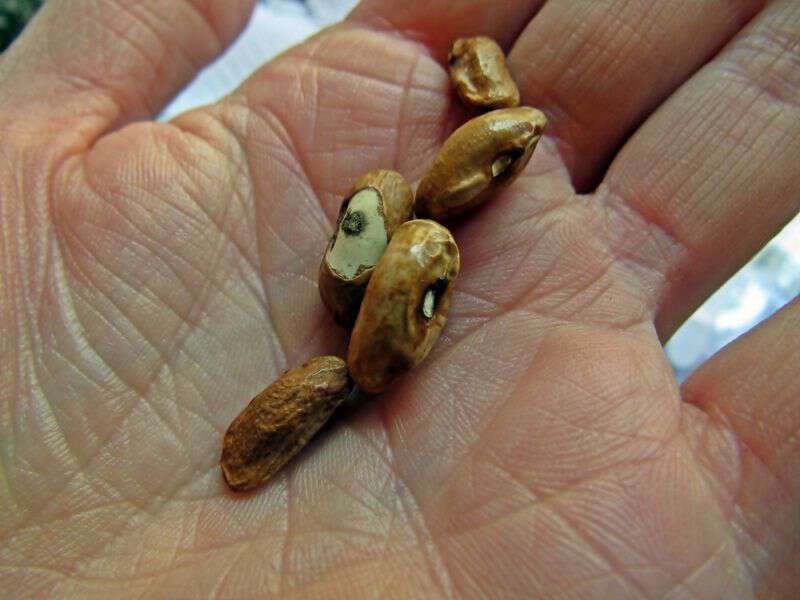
<point>155,277</point>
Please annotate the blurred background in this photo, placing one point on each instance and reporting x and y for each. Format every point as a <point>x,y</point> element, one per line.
<point>765,284</point>
<point>13,16</point>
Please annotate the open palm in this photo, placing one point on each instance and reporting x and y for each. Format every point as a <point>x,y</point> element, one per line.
<point>157,276</point>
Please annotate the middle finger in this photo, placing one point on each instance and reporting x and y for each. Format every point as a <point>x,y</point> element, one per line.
<point>599,68</point>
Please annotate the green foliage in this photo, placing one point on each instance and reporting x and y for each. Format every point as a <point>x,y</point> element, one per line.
<point>14,14</point>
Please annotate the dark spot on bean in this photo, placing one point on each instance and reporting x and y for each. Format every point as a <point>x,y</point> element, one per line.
<point>354,223</point>
<point>436,290</point>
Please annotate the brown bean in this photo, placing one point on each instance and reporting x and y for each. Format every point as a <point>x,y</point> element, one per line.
<point>405,306</point>
<point>379,202</point>
<point>479,73</point>
<point>281,420</point>
<point>478,160</point>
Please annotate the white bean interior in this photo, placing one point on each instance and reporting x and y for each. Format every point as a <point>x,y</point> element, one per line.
<point>501,164</point>
<point>361,238</point>
<point>429,304</point>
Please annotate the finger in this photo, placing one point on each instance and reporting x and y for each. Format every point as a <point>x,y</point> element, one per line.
<point>599,68</point>
<point>114,60</point>
<point>752,387</point>
<point>750,439</point>
<point>715,170</point>
<point>436,23</point>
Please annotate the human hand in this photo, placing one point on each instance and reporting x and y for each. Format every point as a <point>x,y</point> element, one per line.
<point>156,276</point>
